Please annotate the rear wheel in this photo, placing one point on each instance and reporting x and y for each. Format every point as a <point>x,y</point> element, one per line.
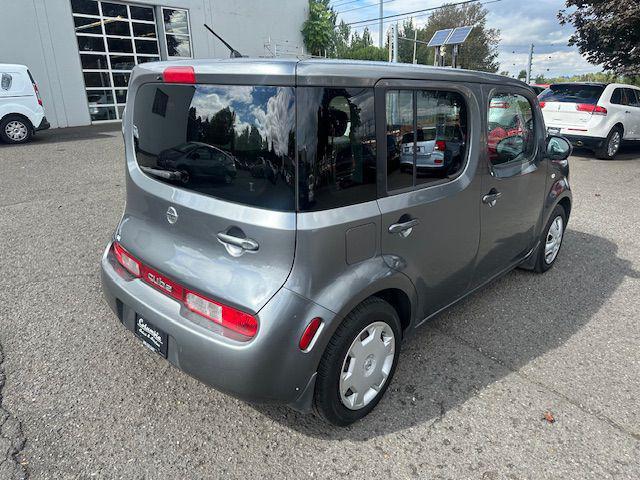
<point>15,129</point>
<point>358,364</point>
<point>611,145</point>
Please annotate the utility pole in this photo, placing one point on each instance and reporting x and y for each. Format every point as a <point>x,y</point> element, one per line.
<point>529,65</point>
<point>390,42</point>
<point>395,43</point>
<point>381,15</point>
<point>415,45</point>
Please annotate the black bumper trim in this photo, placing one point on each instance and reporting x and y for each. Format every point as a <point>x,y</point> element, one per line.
<point>583,141</point>
<point>44,125</point>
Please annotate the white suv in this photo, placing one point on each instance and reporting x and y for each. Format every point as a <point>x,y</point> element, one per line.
<point>21,111</point>
<point>593,115</point>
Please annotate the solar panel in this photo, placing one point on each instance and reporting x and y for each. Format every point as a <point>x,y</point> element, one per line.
<point>439,38</point>
<point>458,36</point>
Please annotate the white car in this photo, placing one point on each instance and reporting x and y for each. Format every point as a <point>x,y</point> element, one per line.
<point>593,115</point>
<point>21,111</point>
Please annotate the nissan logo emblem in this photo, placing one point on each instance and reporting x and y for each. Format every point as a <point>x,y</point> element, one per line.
<point>172,215</point>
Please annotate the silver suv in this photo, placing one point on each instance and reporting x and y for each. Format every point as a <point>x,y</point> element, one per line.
<point>279,240</point>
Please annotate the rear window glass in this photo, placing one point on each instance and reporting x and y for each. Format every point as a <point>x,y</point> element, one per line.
<point>572,93</point>
<point>235,143</point>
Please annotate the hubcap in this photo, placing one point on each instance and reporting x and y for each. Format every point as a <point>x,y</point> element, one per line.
<point>614,144</point>
<point>554,240</point>
<point>16,131</point>
<point>367,365</point>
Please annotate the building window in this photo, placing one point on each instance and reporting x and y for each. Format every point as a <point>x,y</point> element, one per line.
<point>177,35</point>
<point>114,37</point>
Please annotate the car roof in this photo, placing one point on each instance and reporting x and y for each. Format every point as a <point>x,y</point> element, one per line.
<point>12,66</point>
<point>321,72</point>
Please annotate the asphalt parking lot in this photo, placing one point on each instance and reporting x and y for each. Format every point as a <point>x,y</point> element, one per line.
<point>80,397</point>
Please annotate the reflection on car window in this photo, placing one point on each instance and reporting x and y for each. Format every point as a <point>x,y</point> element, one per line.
<point>337,165</point>
<point>235,143</point>
<point>511,134</point>
<point>426,133</point>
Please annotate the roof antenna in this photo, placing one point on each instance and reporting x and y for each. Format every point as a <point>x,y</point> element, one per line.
<point>234,53</point>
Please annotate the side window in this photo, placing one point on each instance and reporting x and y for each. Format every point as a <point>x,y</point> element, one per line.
<point>337,167</point>
<point>426,137</point>
<point>6,81</point>
<point>633,97</point>
<point>618,97</point>
<point>511,135</point>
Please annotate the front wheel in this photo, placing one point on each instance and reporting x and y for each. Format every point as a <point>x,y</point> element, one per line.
<point>551,240</point>
<point>359,363</point>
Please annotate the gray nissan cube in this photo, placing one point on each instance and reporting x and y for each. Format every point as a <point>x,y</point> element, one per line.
<point>287,227</point>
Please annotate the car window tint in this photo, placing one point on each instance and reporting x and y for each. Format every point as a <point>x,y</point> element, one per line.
<point>511,130</point>
<point>441,120</point>
<point>572,93</point>
<point>400,138</point>
<point>337,165</point>
<point>618,97</point>
<point>632,97</point>
<point>430,127</point>
<point>235,143</point>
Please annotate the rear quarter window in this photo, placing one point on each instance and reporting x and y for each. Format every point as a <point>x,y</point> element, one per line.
<point>235,143</point>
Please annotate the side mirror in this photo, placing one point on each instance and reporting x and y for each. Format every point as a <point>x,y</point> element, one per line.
<point>558,148</point>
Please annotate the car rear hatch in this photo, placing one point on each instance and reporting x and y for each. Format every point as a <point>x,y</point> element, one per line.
<point>571,106</point>
<point>202,210</point>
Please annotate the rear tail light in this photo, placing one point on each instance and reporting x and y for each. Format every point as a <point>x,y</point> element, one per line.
<point>35,89</point>
<point>499,104</point>
<point>126,260</point>
<point>224,315</point>
<point>179,75</point>
<point>309,333</point>
<point>593,109</point>
<point>542,104</point>
<point>441,145</point>
<point>221,314</point>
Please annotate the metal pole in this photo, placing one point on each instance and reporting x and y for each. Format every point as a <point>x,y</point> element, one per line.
<point>381,27</point>
<point>395,43</point>
<point>529,65</point>
<point>415,45</point>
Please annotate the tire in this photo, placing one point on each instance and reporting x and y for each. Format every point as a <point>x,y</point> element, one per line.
<point>547,258</point>
<point>15,129</point>
<point>611,145</point>
<point>372,360</point>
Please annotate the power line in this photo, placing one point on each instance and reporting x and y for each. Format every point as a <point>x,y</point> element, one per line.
<point>343,3</point>
<point>409,15</point>
<point>413,12</point>
<point>365,6</point>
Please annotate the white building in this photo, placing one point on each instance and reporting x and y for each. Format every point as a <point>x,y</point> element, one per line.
<point>81,52</point>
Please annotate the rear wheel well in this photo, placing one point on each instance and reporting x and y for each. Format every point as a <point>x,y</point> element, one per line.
<point>400,302</point>
<point>620,126</point>
<point>566,204</point>
<point>24,117</point>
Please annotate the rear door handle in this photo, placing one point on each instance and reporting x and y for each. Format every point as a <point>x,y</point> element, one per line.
<point>492,197</point>
<point>404,228</point>
<point>248,244</point>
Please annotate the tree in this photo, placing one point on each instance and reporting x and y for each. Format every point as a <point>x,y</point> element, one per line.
<point>318,31</point>
<point>522,75</point>
<point>479,52</point>
<point>607,32</point>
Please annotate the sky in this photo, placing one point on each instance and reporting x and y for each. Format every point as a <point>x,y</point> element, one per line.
<point>520,22</point>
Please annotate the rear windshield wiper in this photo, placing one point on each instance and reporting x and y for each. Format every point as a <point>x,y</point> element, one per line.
<point>172,175</point>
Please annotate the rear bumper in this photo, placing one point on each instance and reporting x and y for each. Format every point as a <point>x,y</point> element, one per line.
<point>44,125</point>
<point>582,141</point>
<point>270,368</point>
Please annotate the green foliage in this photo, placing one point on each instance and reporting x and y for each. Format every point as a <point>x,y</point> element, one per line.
<point>318,31</point>
<point>522,75</point>
<point>599,77</point>
<point>479,52</point>
<point>607,32</point>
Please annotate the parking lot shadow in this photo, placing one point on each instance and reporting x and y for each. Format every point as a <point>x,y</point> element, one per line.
<point>70,134</point>
<point>492,333</point>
